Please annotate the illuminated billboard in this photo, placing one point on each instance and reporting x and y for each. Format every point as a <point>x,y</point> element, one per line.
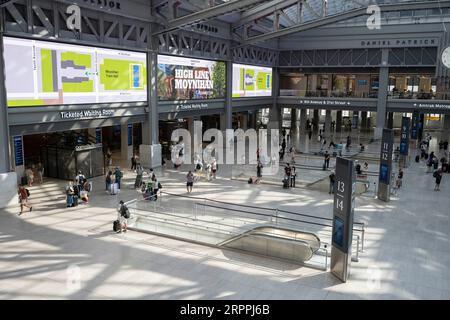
<point>42,73</point>
<point>251,81</point>
<point>181,78</point>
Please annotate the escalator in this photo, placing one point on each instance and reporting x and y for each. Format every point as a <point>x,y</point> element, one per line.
<point>276,242</point>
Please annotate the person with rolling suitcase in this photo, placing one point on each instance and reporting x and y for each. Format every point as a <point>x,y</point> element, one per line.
<point>121,224</point>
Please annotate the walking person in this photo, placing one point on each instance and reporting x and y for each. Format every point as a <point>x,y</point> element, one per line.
<point>108,180</point>
<point>189,181</point>
<point>70,193</point>
<point>399,181</point>
<point>287,173</point>
<point>139,174</point>
<point>23,199</point>
<point>40,173</point>
<point>283,146</point>
<point>331,177</point>
<point>80,179</point>
<point>438,176</point>
<point>214,168</point>
<point>30,176</point>
<point>123,216</point>
<point>259,169</point>
<point>133,162</point>
<point>155,187</point>
<point>327,159</point>
<point>208,172</point>
<point>293,176</point>
<point>118,176</point>
<point>281,154</point>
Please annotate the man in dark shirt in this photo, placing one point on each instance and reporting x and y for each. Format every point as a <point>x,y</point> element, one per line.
<point>327,159</point>
<point>331,177</point>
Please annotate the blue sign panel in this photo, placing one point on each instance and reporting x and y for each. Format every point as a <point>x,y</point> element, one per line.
<point>344,201</point>
<point>415,125</point>
<point>130,134</point>
<point>98,135</point>
<point>18,150</point>
<point>404,137</point>
<point>386,156</point>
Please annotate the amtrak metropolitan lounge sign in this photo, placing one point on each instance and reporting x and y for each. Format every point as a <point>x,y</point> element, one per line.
<point>86,114</point>
<point>436,106</point>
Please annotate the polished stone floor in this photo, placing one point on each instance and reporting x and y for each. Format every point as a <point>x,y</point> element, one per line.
<point>60,253</point>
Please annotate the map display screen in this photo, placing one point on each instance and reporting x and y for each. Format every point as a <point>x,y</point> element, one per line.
<point>251,81</point>
<point>42,73</point>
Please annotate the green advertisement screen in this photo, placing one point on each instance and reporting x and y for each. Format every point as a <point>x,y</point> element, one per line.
<point>42,73</point>
<point>251,81</point>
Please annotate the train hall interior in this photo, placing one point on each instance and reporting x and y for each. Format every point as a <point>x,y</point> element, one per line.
<point>224,149</point>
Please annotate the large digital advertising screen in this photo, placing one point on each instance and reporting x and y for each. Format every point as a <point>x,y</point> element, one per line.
<point>251,81</point>
<point>42,73</point>
<point>181,78</point>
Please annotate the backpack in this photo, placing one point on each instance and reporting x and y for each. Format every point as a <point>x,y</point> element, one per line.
<point>435,174</point>
<point>159,185</point>
<point>28,192</point>
<point>125,212</point>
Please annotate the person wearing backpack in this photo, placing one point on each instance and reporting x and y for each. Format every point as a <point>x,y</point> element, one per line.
<point>118,176</point>
<point>438,176</point>
<point>23,199</point>
<point>80,179</point>
<point>123,216</point>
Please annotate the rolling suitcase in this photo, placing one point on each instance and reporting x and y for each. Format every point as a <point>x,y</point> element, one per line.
<point>285,184</point>
<point>116,226</point>
<point>114,188</point>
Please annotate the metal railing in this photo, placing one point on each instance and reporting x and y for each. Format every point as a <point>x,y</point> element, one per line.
<point>275,214</point>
